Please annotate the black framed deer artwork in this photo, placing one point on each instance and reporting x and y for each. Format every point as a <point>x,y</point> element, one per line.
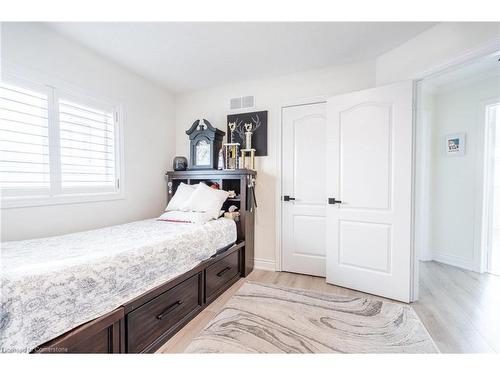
<point>255,122</point>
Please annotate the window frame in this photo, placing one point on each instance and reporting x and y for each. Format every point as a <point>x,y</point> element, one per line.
<point>57,195</point>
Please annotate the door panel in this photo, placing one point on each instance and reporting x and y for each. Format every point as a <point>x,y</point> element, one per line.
<point>366,156</point>
<point>309,235</point>
<point>369,138</point>
<point>355,237</point>
<point>303,168</point>
<point>309,155</point>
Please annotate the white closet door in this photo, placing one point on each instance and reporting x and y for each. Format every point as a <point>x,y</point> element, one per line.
<point>369,153</point>
<point>304,183</point>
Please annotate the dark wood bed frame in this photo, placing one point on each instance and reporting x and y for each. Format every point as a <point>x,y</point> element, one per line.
<point>145,323</point>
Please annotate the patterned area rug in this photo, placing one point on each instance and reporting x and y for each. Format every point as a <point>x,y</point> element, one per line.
<point>264,318</point>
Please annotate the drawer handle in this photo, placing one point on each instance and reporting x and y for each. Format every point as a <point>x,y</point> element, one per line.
<point>224,270</point>
<point>169,309</point>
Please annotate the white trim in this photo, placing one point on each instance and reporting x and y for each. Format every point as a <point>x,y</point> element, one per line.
<point>120,156</point>
<point>38,201</point>
<point>264,264</point>
<point>486,203</point>
<point>480,215</point>
<point>278,242</point>
<point>488,48</point>
<point>414,270</point>
<point>305,101</point>
<point>453,260</point>
<point>54,143</point>
<point>290,103</point>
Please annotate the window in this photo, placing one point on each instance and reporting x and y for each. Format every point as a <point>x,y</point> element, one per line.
<point>55,146</point>
<point>87,144</point>
<point>24,140</point>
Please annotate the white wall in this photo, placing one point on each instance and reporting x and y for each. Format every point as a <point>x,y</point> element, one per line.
<point>148,121</point>
<point>456,182</point>
<point>435,47</point>
<point>270,94</point>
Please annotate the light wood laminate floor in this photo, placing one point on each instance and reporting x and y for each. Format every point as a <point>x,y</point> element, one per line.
<point>460,309</point>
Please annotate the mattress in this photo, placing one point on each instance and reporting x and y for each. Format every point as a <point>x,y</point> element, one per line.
<point>52,285</point>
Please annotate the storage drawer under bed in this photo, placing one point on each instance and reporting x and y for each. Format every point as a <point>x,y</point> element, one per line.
<point>163,315</point>
<point>219,276</point>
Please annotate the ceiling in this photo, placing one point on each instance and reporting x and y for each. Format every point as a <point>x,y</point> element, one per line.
<point>189,56</point>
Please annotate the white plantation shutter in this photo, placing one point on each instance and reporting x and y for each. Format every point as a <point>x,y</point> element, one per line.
<point>87,144</point>
<point>56,146</point>
<point>24,140</point>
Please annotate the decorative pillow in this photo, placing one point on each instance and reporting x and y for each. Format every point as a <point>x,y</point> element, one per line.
<point>181,195</point>
<point>206,199</point>
<point>185,217</point>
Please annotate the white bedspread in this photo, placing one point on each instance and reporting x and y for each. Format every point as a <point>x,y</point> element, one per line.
<point>51,285</point>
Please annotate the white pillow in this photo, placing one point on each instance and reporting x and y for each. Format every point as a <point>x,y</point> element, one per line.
<point>181,195</point>
<point>206,199</point>
<point>185,217</point>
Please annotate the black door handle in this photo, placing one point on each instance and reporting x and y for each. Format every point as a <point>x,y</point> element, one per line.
<point>333,201</point>
<point>287,198</point>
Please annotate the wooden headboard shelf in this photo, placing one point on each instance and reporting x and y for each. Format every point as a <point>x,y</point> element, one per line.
<point>237,180</point>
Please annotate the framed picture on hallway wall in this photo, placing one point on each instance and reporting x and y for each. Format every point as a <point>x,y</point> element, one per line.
<point>454,144</point>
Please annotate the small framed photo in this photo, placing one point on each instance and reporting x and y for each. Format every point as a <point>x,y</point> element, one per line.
<point>455,144</point>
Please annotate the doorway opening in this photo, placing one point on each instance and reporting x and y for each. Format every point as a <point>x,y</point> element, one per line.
<point>457,204</point>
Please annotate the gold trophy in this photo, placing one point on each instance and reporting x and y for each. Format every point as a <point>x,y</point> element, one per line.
<point>231,149</point>
<point>247,159</point>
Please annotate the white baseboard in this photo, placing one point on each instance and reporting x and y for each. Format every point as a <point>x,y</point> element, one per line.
<point>425,258</point>
<point>453,260</point>
<point>264,264</point>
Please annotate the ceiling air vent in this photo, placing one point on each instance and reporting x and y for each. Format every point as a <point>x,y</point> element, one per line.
<point>242,102</point>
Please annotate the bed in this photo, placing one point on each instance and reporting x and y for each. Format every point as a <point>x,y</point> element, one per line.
<point>52,285</point>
